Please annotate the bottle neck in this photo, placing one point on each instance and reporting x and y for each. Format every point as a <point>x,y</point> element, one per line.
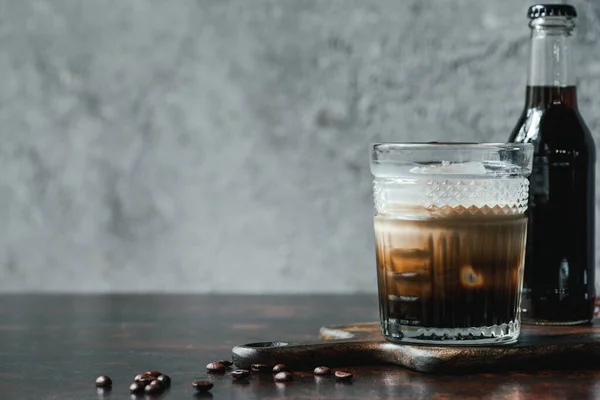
<point>551,62</point>
<point>546,96</point>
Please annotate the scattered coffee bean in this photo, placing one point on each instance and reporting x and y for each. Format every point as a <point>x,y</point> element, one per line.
<point>322,371</point>
<point>144,379</point>
<point>215,367</point>
<point>343,375</point>
<point>280,368</point>
<point>103,381</point>
<point>260,368</point>
<point>137,387</point>
<point>226,363</point>
<point>284,376</point>
<point>202,386</point>
<point>154,387</point>
<point>166,379</point>
<point>240,373</point>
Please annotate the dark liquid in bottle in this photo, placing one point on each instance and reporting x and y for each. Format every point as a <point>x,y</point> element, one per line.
<point>559,264</point>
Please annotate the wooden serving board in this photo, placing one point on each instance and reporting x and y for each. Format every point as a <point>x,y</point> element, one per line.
<point>539,347</point>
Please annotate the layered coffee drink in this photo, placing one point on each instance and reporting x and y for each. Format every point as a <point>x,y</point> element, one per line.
<point>450,242</point>
<point>462,270</point>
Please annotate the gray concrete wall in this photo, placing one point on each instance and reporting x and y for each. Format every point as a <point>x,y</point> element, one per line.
<point>221,145</point>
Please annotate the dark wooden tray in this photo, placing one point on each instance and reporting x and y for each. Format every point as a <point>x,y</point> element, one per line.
<point>539,347</point>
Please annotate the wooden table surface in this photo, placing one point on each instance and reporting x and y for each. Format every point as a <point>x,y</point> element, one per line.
<point>53,347</point>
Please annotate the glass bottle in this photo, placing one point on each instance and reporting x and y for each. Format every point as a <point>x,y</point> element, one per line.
<point>559,285</point>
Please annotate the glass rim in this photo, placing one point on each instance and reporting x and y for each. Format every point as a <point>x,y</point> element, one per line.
<point>451,145</point>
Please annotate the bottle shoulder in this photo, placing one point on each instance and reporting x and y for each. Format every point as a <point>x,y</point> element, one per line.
<point>553,127</point>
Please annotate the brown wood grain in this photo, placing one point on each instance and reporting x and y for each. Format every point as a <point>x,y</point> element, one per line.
<point>53,347</point>
<point>362,344</point>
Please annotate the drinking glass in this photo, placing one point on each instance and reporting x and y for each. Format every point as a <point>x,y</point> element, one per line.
<point>450,231</point>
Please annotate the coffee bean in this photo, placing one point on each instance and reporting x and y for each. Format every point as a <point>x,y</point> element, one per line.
<point>215,367</point>
<point>202,386</point>
<point>280,368</point>
<point>137,387</point>
<point>226,363</point>
<point>284,376</point>
<point>260,367</point>
<point>343,375</point>
<point>322,371</point>
<point>103,381</point>
<point>240,373</point>
<point>144,379</point>
<point>154,387</point>
<point>166,379</point>
<point>155,374</point>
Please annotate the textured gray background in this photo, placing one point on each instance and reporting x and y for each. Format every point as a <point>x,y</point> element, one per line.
<point>222,145</point>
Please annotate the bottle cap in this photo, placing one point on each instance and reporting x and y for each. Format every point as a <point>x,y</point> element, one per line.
<point>551,10</point>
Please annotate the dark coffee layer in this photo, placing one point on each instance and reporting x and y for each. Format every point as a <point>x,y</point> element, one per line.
<point>450,272</point>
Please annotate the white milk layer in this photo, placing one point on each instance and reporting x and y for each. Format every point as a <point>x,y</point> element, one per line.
<point>424,191</point>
